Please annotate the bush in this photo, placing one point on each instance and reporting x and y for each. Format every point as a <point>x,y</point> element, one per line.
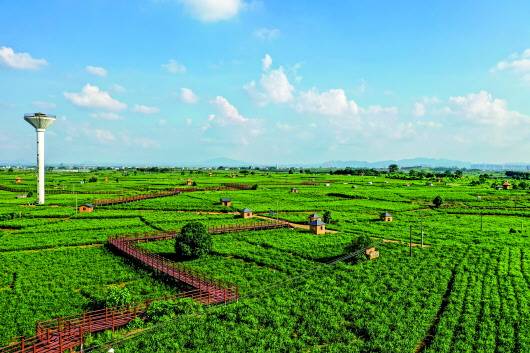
<point>327,217</point>
<point>193,241</point>
<point>172,308</point>
<point>118,296</point>
<point>437,202</point>
<point>360,244</point>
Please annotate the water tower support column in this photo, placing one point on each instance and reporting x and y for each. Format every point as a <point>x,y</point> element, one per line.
<point>40,164</point>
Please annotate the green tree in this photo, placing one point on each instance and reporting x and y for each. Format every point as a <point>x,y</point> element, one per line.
<point>359,245</point>
<point>327,217</point>
<point>118,296</point>
<point>393,168</point>
<point>193,241</point>
<point>437,202</point>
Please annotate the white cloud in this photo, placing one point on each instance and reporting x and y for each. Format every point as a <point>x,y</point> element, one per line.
<point>483,108</point>
<point>144,109</point>
<point>20,61</point>
<point>106,116</point>
<point>266,62</point>
<point>267,33</point>
<point>118,88</point>
<point>92,97</point>
<point>518,63</point>
<point>227,111</point>
<point>96,70</point>
<point>44,105</point>
<point>104,136</point>
<point>274,86</point>
<point>188,96</point>
<point>332,102</point>
<point>419,109</point>
<point>213,10</point>
<point>174,67</point>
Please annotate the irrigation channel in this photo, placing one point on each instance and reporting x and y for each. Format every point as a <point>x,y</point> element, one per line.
<point>60,334</point>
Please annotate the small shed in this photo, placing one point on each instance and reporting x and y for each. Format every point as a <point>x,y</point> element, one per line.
<point>386,217</point>
<point>189,182</point>
<point>18,180</point>
<point>86,208</point>
<point>246,213</point>
<point>226,202</point>
<point>371,253</point>
<point>294,190</point>
<point>313,217</point>
<point>317,227</point>
<point>506,185</point>
<point>22,196</point>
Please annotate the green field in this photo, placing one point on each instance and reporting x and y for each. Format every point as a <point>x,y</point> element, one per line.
<point>467,290</point>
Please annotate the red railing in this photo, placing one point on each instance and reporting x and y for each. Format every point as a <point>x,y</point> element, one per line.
<point>60,334</point>
<point>217,291</point>
<point>126,199</point>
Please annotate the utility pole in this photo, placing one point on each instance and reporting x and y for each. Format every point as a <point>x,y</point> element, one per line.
<point>422,233</point>
<point>410,241</point>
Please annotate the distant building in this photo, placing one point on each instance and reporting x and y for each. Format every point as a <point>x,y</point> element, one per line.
<point>86,208</point>
<point>386,217</point>
<point>506,185</point>
<point>18,180</point>
<point>226,202</point>
<point>294,190</point>
<point>317,227</point>
<point>189,182</point>
<point>246,213</point>
<point>313,217</point>
<point>22,196</point>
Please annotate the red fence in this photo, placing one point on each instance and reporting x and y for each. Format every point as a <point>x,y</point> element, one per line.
<point>215,291</point>
<point>60,334</point>
<point>244,227</point>
<point>126,199</point>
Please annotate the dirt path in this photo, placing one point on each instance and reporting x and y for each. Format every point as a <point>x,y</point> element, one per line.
<point>294,225</point>
<point>404,243</point>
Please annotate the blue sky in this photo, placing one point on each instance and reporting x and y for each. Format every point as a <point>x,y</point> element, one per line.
<point>174,81</point>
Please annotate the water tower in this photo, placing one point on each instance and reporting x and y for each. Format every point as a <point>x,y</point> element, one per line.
<point>40,122</point>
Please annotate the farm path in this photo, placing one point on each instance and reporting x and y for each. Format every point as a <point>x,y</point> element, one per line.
<point>405,243</point>
<point>294,225</point>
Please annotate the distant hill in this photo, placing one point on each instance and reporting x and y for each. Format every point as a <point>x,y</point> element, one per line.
<point>412,162</point>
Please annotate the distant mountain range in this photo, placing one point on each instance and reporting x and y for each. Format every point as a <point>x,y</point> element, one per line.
<point>233,163</point>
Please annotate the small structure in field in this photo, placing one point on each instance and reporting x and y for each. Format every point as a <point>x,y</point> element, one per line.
<point>506,185</point>
<point>294,190</point>
<point>18,180</point>
<point>189,182</point>
<point>246,213</point>
<point>226,202</point>
<point>317,227</point>
<point>386,217</point>
<point>313,217</point>
<point>370,183</point>
<point>371,253</point>
<point>22,196</point>
<point>86,208</point>
<point>328,184</point>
